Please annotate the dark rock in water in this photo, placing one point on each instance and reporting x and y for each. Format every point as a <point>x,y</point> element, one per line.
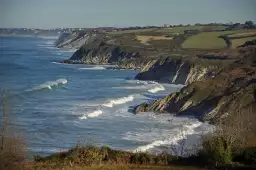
<point>141,108</point>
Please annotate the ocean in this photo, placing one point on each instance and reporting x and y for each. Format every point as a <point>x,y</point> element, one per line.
<point>57,106</point>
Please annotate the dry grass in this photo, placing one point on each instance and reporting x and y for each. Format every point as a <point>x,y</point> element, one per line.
<point>145,39</point>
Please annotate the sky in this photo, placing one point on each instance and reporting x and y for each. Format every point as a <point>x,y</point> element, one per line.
<point>121,13</point>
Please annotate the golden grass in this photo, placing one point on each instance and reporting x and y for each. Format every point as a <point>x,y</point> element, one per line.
<point>238,42</point>
<point>145,39</point>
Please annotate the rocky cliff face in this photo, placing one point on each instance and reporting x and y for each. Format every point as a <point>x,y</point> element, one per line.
<point>229,91</point>
<point>176,71</point>
<point>72,40</point>
<point>99,49</point>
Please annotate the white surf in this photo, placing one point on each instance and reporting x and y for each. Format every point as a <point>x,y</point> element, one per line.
<point>119,101</point>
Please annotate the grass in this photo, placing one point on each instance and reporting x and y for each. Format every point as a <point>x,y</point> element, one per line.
<point>180,30</point>
<point>238,42</point>
<point>209,40</point>
<point>144,39</point>
<point>132,31</point>
<point>244,34</point>
<point>205,40</point>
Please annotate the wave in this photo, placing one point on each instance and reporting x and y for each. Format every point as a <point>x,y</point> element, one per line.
<point>141,82</point>
<point>119,101</point>
<point>158,88</point>
<point>92,68</point>
<point>171,140</point>
<point>49,85</point>
<point>92,114</point>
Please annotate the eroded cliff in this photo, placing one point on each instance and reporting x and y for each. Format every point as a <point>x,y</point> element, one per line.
<point>231,90</point>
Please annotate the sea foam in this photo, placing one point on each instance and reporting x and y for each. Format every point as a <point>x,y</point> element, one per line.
<point>49,85</point>
<point>172,140</point>
<point>119,101</point>
<point>92,68</point>
<point>92,114</point>
<point>156,88</point>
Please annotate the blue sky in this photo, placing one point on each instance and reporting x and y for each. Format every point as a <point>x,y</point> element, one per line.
<point>121,13</point>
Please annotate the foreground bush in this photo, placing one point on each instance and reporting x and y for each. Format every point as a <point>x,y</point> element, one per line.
<point>216,150</point>
<point>96,155</point>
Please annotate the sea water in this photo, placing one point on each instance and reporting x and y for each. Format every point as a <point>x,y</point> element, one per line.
<point>56,106</point>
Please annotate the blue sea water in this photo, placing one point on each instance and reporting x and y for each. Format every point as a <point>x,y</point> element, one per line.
<point>56,106</point>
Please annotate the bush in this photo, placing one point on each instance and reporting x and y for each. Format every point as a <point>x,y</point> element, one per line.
<point>12,146</point>
<point>216,150</point>
<point>246,156</point>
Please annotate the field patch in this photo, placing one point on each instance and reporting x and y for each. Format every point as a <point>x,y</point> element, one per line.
<point>211,40</point>
<point>238,42</point>
<point>181,29</point>
<point>144,39</point>
<point>244,34</point>
<point>205,40</point>
<point>132,31</point>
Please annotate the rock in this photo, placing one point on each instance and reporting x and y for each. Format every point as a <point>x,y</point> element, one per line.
<point>141,108</point>
<point>231,90</point>
<point>176,71</point>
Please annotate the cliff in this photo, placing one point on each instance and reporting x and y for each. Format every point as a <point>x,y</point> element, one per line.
<point>72,40</point>
<point>231,90</point>
<point>178,71</point>
<point>100,48</point>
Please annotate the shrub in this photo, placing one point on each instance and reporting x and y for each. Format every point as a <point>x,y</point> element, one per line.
<point>216,150</point>
<point>12,146</point>
<point>246,156</point>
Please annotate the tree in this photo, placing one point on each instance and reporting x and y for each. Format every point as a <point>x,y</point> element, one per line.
<point>249,24</point>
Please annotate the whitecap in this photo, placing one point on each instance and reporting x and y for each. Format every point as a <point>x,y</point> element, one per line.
<point>49,85</point>
<point>157,88</point>
<point>92,114</point>
<point>119,101</point>
<point>172,139</point>
<point>92,68</point>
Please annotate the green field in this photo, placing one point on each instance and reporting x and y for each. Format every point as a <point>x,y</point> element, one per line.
<point>205,40</point>
<point>210,40</point>
<point>132,31</point>
<point>180,30</point>
<point>238,42</point>
<point>244,34</point>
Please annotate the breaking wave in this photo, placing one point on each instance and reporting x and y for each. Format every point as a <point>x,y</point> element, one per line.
<point>49,85</point>
<point>92,68</point>
<point>157,88</point>
<point>92,114</point>
<point>172,139</point>
<point>119,101</point>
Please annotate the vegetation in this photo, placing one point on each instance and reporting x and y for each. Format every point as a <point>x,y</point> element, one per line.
<point>12,146</point>
<point>181,29</point>
<point>240,41</point>
<point>144,39</point>
<point>211,40</point>
<point>131,31</point>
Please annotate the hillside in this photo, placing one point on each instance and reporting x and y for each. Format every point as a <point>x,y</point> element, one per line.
<point>221,95</point>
